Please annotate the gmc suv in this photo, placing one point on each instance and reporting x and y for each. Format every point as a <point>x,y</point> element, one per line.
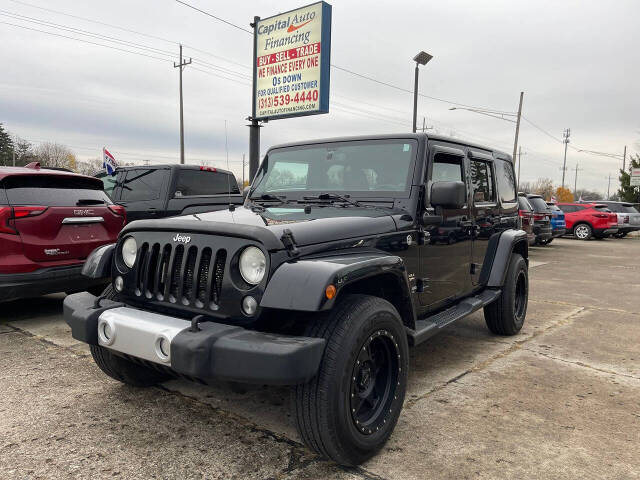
<point>321,280</point>
<point>50,221</point>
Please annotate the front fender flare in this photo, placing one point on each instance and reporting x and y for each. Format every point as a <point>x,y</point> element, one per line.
<point>300,285</point>
<point>98,263</point>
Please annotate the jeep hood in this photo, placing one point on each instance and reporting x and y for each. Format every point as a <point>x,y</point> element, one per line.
<point>322,224</point>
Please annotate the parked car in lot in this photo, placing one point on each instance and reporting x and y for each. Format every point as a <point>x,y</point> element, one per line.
<point>321,280</point>
<point>558,223</point>
<point>50,221</point>
<point>169,190</point>
<point>525,212</point>
<point>628,217</point>
<point>587,220</point>
<point>541,219</point>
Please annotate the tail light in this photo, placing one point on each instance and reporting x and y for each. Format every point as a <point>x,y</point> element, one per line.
<point>120,211</point>
<point>8,215</point>
<point>601,215</point>
<point>539,216</point>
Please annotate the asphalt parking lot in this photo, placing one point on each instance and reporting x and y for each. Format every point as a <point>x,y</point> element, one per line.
<point>559,400</point>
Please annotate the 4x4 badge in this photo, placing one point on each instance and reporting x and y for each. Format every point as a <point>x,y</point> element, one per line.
<point>181,238</point>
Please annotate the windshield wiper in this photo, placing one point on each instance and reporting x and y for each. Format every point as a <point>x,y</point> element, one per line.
<point>270,197</point>
<point>327,196</point>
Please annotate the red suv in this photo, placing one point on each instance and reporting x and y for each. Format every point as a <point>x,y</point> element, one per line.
<point>586,220</point>
<point>50,221</point>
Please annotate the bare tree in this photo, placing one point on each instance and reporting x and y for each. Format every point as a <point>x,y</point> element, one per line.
<point>543,187</point>
<point>52,154</point>
<point>89,167</point>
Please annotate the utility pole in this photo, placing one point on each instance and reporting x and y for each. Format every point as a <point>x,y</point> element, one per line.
<point>519,163</point>
<point>254,126</point>
<point>14,155</point>
<point>565,136</point>
<point>624,158</point>
<point>575,181</point>
<point>243,163</point>
<point>609,188</point>
<point>181,66</point>
<point>515,142</point>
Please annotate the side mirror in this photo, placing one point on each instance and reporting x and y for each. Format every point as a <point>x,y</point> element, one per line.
<point>245,191</point>
<point>451,195</point>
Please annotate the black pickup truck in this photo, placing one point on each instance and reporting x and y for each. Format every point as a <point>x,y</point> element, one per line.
<point>159,191</point>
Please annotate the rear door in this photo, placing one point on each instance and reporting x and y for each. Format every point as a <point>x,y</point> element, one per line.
<point>143,192</point>
<point>61,217</point>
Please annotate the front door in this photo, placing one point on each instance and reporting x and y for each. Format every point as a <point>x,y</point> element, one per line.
<point>446,255</point>
<point>143,192</point>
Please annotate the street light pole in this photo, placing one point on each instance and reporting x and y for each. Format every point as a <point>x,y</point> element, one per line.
<point>421,58</point>
<point>565,135</point>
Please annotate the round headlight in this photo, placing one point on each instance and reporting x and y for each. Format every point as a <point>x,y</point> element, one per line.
<point>129,252</point>
<point>252,265</point>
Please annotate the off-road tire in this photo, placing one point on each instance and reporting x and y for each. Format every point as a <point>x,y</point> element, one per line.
<point>583,227</point>
<point>506,315</point>
<point>120,368</point>
<point>322,406</point>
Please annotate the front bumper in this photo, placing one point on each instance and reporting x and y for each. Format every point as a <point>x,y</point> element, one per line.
<point>215,351</point>
<point>44,281</point>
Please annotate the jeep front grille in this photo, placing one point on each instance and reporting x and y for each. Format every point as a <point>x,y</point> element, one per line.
<point>185,275</point>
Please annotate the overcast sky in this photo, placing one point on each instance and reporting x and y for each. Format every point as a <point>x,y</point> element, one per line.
<point>576,61</point>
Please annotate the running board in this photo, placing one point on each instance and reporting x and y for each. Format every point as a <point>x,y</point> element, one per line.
<point>431,325</point>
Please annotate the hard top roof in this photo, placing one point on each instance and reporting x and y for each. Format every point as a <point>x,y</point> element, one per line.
<point>390,136</point>
<point>13,171</point>
<point>176,166</point>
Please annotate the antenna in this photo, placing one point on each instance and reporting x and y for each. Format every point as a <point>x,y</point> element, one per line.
<point>232,207</point>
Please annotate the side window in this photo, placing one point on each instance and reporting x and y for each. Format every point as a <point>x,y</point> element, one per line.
<point>446,168</point>
<point>506,180</point>
<point>482,181</point>
<point>566,208</point>
<point>140,184</point>
<point>201,182</point>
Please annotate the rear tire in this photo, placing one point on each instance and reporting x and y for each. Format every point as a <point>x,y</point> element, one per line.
<point>583,231</point>
<point>121,369</point>
<point>506,315</point>
<point>350,408</point>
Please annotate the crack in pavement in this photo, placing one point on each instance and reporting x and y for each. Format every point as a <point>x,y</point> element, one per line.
<point>517,345</point>
<point>581,364</point>
<point>591,307</point>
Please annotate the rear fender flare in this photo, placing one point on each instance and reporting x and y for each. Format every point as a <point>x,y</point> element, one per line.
<point>300,285</point>
<point>501,248</point>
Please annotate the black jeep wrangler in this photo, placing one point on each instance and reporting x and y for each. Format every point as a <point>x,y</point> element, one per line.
<point>333,266</point>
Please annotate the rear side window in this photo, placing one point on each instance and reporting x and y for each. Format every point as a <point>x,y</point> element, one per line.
<point>602,208</point>
<point>538,204</point>
<point>53,190</point>
<point>554,208</point>
<point>203,182</point>
<point>506,180</point>
<point>523,204</point>
<point>627,208</point>
<point>482,181</point>
<point>141,184</point>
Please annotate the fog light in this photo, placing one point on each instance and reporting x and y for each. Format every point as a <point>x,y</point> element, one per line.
<point>118,283</point>
<point>163,348</point>
<point>249,305</point>
<point>106,332</point>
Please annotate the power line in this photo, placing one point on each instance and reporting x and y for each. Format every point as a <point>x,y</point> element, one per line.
<point>135,32</point>
<point>217,18</point>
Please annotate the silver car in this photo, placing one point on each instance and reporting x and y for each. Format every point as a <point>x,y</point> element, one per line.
<point>628,217</point>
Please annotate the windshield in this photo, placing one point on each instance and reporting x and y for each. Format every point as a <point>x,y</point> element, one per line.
<point>365,168</point>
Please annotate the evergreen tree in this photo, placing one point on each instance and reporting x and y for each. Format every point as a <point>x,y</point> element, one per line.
<point>627,193</point>
<point>6,147</point>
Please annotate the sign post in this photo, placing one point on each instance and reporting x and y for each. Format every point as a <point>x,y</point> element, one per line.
<point>291,65</point>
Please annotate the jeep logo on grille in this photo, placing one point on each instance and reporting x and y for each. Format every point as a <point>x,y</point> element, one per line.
<point>181,238</point>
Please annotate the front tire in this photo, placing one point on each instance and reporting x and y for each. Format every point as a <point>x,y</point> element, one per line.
<point>506,315</point>
<point>121,369</point>
<point>349,409</point>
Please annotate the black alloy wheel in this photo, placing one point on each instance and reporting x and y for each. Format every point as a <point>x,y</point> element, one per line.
<point>374,382</point>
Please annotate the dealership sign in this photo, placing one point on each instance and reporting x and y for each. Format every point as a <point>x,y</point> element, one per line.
<point>635,177</point>
<point>291,63</point>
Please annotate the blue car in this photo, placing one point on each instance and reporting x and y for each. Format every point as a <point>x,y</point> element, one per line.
<point>558,225</point>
